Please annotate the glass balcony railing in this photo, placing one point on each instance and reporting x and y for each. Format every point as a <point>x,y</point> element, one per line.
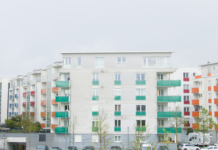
<point>140,113</point>
<point>117,97</point>
<point>95,98</point>
<point>95,82</point>
<point>140,82</point>
<point>162,130</point>
<point>117,113</point>
<point>168,98</point>
<point>117,129</point>
<point>63,114</point>
<point>62,99</point>
<point>95,113</point>
<point>94,129</point>
<point>140,97</point>
<point>140,129</point>
<point>169,83</point>
<point>117,82</point>
<point>61,129</point>
<point>168,114</point>
<point>62,83</point>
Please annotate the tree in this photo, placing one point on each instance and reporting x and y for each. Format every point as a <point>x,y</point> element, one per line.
<point>101,128</point>
<point>74,125</point>
<point>14,122</point>
<point>166,138</point>
<point>176,121</point>
<point>204,123</point>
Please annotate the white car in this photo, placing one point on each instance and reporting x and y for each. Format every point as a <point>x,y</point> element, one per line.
<point>189,147</point>
<point>210,147</point>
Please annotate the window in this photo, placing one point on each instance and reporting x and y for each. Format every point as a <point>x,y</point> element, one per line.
<point>140,77</point>
<point>94,92</point>
<point>160,122</point>
<point>140,92</point>
<point>193,74</point>
<point>95,77</point>
<point>66,92</point>
<point>140,123</point>
<point>117,107</point>
<point>200,95</point>
<point>209,95</point>
<point>186,87</point>
<point>160,77</point>
<point>186,98</point>
<point>185,75</point>
<point>152,62</point>
<point>94,123</point>
<point>209,70</point>
<point>67,62</point>
<point>160,138</point>
<point>117,77</point>
<point>186,109</point>
<point>79,61</point>
<point>117,138</point>
<point>99,62</point>
<point>209,82</point>
<point>78,138</point>
<point>66,107</point>
<point>95,138</point>
<point>121,60</point>
<point>210,108</point>
<point>200,84</point>
<point>140,108</point>
<point>42,137</point>
<point>160,107</point>
<point>67,77</point>
<point>117,123</point>
<point>144,62</point>
<point>160,92</point>
<point>117,92</point>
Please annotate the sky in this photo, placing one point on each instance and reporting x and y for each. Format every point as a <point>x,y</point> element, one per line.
<point>34,32</point>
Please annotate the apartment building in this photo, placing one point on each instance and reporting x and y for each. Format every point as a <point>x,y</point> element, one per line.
<point>4,88</point>
<point>132,88</point>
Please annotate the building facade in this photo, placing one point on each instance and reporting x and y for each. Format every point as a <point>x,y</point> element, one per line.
<point>4,88</point>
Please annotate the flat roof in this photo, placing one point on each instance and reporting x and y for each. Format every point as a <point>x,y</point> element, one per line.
<point>209,64</point>
<point>109,52</point>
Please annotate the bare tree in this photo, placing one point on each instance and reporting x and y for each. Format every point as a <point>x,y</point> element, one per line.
<point>74,126</point>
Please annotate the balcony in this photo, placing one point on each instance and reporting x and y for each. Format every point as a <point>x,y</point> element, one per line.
<point>117,113</point>
<point>63,114</point>
<point>209,100</point>
<point>62,83</point>
<point>209,88</point>
<point>185,79</point>
<point>163,130</point>
<point>54,102</point>
<point>24,104</point>
<point>32,103</point>
<point>117,129</point>
<point>215,100</point>
<point>186,113</point>
<point>140,128</point>
<point>43,114</point>
<point>95,82</point>
<point>94,129</point>
<point>198,76</point>
<point>209,74</point>
<point>195,102</point>
<point>32,93</point>
<point>43,125</point>
<point>186,91</point>
<point>186,124</point>
<point>53,126</point>
<point>216,114</point>
<point>95,113</point>
<point>140,98</point>
<point>117,98</point>
<point>140,113</point>
<point>168,83</point>
<point>32,113</point>
<point>24,113</point>
<point>210,113</point>
<point>195,114</point>
<point>186,102</point>
<point>62,99</point>
<point>168,114</point>
<point>61,129</point>
<point>215,88</point>
<point>43,91</point>
<point>195,126</point>
<point>43,103</point>
<point>168,98</point>
<point>55,89</point>
<point>140,82</point>
<point>95,98</point>
<point>195,90</point>
<point>216,127</point>
<point>118,82</point>
<point>24,94</point>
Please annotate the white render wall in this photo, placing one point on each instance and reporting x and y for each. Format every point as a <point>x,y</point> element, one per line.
<point>4,99</point>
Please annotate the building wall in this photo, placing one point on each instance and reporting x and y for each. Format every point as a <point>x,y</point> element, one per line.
<point>4,99</point>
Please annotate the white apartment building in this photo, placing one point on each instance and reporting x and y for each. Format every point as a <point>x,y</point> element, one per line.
<point>4,87</point>
<point>132,88</point>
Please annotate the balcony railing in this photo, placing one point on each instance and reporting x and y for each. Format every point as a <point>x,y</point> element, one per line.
<point>140,97</point>
<point>198,76</point>
<point>53,126</point>
<point>169,83</point>
<point>95,82</point>
<point>117,82</point>
<point>140,82</point>
<point>117,97</point>
<point>195,126</point>
<point>43,125</point>
<point>216,88</point>
<point>168,114</point>
<point>54,102</point>
<point>140,113</point>
<point>62,83</point>
<point>62,99</point>
<point>162,130</point>
<point>95,98</point>
<point>216,114</point>
<point>63,114</point>
<point>186,113</point>
<point>215,100</point>
<point>117,129</point>
<point>32,93</point>
<point>43,103</point>
<point>55,89</point>
<point>43,114</point>
<point>32,103</point>
<point>61,129</point>
<point>186,124</point>
<point>186,102</point>
<point>195,90</point>
<point>186,91</point>
<point>195,102</point>
<point>168,98</point>
<point>117,113</point>
<point>195,114</point>
<point>140,128</point>
<point>185,79</point>
<point>95,113</point>
<point>43,91</point>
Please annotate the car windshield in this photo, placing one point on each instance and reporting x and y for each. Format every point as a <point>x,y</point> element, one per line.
<point>54,148</point>
<point>146,148</point>
<point>210,147</point>
<point>41,146</point>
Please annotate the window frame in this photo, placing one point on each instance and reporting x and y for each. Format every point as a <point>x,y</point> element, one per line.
<point>140,122</point>
<point>140,108</point>
<point>117,91</point>
<point>186,86</point>
<point>116,75</point>
<point>141,93</point>
<point>117,123</point>
<point>117,138</point>
<point>117,107</point>
<point>95,76</point>
<point>79,65</point>
<point>95,91</point>
<point>185,75</point>
<point>140,76</point>
<point>98,61</point>
<point>121,60</point>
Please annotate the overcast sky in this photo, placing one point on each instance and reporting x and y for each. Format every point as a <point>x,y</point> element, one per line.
<point>34,32</point>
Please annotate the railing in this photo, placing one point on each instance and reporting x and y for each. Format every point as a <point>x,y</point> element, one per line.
<point>56,75</point>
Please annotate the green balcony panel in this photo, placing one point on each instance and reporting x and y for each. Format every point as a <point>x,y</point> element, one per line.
<point>62,99</point>
<point>140,97</point>
<point>140,129</point>
<point>140,82</point>
<point>117,82</point>
<point>94,98</point>
<point>94,129</point>
<point>62,83</point>
<point>168,98</point>
<point>95,82</point>
<point>117,129</point>
<point>168,130</point>
<point>62,114</point>
<point>117,113</point>
<point>117,97</point>
<point>169,83</point>
<point>95,113</point>
<point>140,113</point>
<point>169,114</point>
<point>61,129</point>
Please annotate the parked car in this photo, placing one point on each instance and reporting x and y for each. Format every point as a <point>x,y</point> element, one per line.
<point>42,147</point>
<point>55,148</point>
<point>163,148</point>
<point>89,148</point>
<point>115,148</point>
<point>189,147</point>
<point>179,146</point>
<point>210,147</point>
<point>71,148</point>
